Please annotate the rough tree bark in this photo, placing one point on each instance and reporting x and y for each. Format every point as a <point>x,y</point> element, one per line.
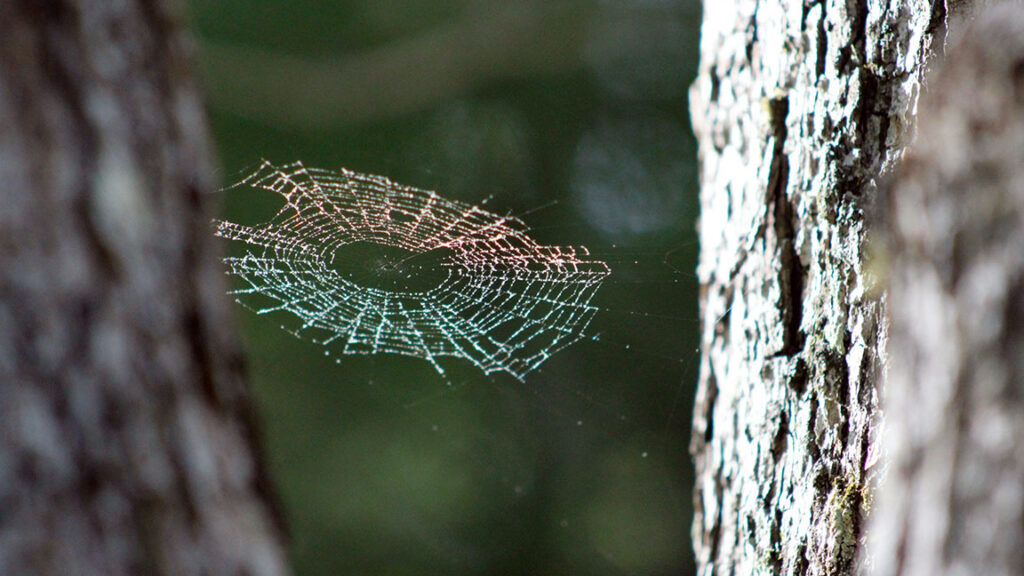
<point>799,106</point>
<point>952,501</point>
<point>126,433</point>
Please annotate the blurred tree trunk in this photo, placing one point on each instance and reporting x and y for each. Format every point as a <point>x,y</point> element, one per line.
<point>126,430</point>
<point>952,500</point>
<point>799,107</point>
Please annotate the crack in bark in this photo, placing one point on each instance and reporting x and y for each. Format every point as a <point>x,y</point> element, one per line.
<point>781,215</point>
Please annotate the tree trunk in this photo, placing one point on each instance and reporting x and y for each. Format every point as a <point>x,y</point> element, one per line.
<point>126,430</point>
<point>952,501</point>
<point>798,108</point>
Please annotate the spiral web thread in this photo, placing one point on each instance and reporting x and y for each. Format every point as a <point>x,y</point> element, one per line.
<point>506,303</point>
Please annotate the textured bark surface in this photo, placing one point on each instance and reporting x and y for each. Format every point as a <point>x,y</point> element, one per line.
<point>952,501</point>
<point>126,435</point>
<point>798,108</point>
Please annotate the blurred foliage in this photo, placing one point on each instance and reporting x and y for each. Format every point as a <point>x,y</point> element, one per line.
<point>383,466</point>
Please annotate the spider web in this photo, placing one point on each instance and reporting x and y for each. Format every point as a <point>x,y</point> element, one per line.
<point>506,303</point>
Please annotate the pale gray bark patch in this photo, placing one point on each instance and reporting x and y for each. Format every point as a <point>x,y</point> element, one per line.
<point>127,443</point>
<point>952,500</point>
<point>798,108</point>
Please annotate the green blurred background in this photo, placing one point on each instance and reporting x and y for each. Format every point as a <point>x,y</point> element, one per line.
<point>383,466</point>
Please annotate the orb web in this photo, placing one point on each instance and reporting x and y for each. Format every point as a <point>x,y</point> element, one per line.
<point>505,303</point>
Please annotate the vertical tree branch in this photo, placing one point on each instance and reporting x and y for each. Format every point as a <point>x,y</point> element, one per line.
<point>952,501</point>
<point>126,430</point>
<point>798,107</point>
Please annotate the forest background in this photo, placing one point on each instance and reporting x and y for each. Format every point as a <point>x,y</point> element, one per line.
<point>570,114</point>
